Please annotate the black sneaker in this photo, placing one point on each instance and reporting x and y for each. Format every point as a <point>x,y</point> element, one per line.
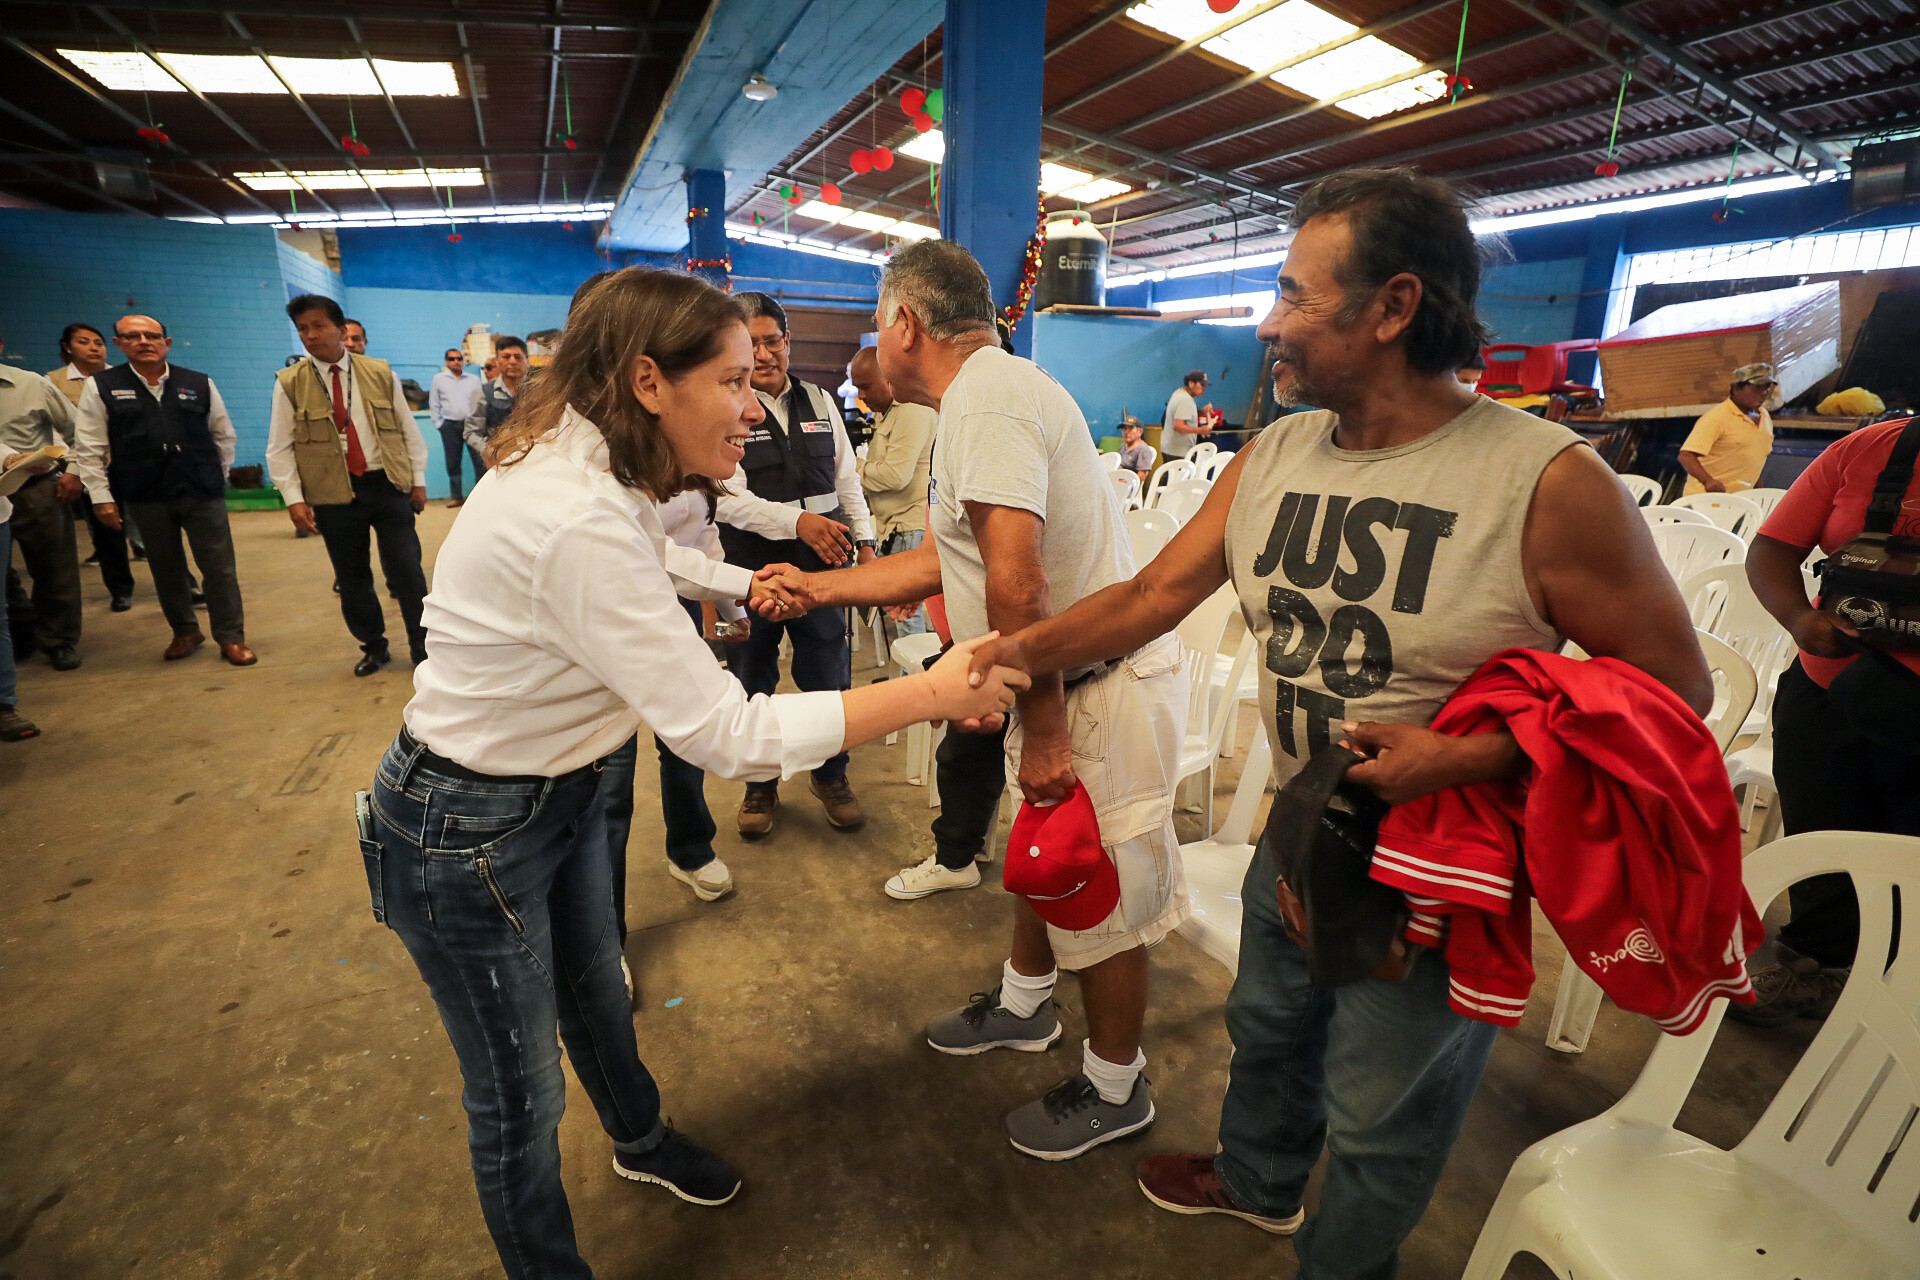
<point>64,657</point>
<point>120,604</point>
<point>683,1167</point>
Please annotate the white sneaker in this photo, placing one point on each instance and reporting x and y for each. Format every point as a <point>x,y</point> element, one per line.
<point>930,878</point>
<point>709,883</point>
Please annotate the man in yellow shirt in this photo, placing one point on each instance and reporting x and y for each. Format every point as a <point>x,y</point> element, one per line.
<point>1728,446</point>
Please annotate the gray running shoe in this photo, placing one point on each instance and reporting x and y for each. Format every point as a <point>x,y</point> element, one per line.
<point>985,1024</point>
<point>1073,1118</point>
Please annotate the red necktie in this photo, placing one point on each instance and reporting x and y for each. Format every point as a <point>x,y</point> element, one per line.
<point>356,460</point>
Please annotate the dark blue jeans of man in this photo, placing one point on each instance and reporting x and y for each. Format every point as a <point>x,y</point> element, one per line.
<point>501,892</point>
<point>453,439</point>
<point>1378,1073</point>
<point>822,659</point>
<point>683,805</point>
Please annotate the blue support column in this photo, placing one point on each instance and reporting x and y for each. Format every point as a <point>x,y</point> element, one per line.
<point>1606,263</point>
<point>707,225</point>
<point>995,59</point>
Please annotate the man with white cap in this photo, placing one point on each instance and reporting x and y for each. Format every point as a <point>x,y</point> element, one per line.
<point>1728,447</point>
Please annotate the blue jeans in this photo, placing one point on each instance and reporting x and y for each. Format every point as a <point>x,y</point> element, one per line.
<point>683,805</point>
<point>1378,1073</point>
<point>9,689</point>
<point>501,892</point>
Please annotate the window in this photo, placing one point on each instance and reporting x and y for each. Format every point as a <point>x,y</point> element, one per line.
<point>243,73</point>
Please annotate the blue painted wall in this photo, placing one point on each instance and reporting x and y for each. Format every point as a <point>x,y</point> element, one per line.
<point>1532,302</point>
<point>517,257</point>
<point>219,290</point>
<point>1113,364</point>
<point>412,328</point>
<point>302,274</point>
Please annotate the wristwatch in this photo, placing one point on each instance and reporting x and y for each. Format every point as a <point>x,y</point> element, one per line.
<point>865,542</point>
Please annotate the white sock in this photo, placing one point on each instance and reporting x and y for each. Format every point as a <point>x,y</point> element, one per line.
<point>1114,1083</point>
<point>1022,996</point>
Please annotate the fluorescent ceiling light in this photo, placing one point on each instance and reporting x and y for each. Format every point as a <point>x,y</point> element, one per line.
<point>759,235</point>
<point>1072,184</point>
<point>819,212</point>
<point>423,218</point>
<point>361,179</point>
<point>1637,204</point>
<point>1261,301</point>
<point>126,72</point>
<point>867,221</point>
<point>929,147</point>
<point>1291,30</point>
<point>913,231</point>
<point>244,73</point>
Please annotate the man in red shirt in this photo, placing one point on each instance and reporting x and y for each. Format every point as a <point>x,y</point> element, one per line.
<point>1829,774</point>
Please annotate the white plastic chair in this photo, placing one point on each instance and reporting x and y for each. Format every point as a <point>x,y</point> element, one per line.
<point>1182,500</point>
<point>1722,603</point>
<point>1658,515</point>
<point>1202,451</point>
<point>1217,866</point>
<point>1750,772</point>
<point>1823,1187</point>
<point>910,654</point>
<point>1765,499</point>
<point>1686,549</point>
<point>1127,483</point>
<point>1112,461</point>
<point>1733,512</point>
<point>1213,466</point>
<point>1577,1002</point>
<point>1643,488</point>
<point>1172,471</point>
<point>1147,533</point>
<point>1208,718</point>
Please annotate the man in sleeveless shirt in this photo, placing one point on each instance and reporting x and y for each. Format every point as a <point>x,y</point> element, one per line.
<point>1383,547</point>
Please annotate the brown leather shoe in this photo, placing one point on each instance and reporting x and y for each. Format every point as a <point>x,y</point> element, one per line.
<point>238,654</point>
<point>1187,1183</point>
<point>183,644</point>
<point>756,813</point>
<point>843,811</point>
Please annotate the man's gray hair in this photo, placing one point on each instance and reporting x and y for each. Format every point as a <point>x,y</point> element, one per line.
<point>943,284</point>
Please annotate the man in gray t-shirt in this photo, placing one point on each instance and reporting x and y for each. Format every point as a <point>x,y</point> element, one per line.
<point>1024,522</point>
<point>1180,426</point>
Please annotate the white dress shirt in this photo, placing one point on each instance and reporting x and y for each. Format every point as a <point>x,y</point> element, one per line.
<point>777,520</point>
<point>686,523</point>
<point>90,430</point>
<point>553,629</point>
<point>450,398</point>
<point>280,459</point>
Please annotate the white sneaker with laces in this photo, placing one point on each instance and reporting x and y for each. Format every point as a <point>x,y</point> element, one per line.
<point>709,883</point>
<point>930,878</point>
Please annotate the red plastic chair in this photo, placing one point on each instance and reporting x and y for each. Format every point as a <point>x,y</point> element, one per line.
<point>1517,369</point>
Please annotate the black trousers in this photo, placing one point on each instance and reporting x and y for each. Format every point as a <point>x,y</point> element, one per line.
<point>379,513</point>
<point>1832,779</point>
<point>972,772</point>
<point>204,522</point>
<point>454,439</point>
<point>43,530</point>
<point>110,549</point>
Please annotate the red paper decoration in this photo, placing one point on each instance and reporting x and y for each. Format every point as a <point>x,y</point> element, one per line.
<point>455,238</point>
<point>861,160</point>
<point>883,158</point>
<point>153,133</point>
<point>922,122</point>
<point>1459,84</point>
<point>566,226</point>
<point>570,142</point>
<point>1607,168</point>
<point>1719,215</point>
<point>353,146</point>
<point>829,193</point>
<point>797,197</point>
<point>913,101</point>
<point>1223,6</point>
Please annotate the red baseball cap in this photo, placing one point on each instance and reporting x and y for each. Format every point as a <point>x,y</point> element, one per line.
<point>1055,861</point>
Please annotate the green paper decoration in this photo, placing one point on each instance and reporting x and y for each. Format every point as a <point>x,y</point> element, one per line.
<point>786,192</point>
<point>937,104</point>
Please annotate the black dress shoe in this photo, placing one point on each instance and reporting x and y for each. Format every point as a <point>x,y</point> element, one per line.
<point>371,663</point>
<point>197,596</point>
<point>419,654</point>
<point>121,604</point>
<point>64,658</point>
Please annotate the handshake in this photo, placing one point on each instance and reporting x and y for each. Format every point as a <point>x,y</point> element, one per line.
<point>782,593</point>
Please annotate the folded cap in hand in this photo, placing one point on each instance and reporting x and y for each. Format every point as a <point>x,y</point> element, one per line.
<point>1055,861</point>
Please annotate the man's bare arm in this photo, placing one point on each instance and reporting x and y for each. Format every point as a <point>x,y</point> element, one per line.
<point>904,578</point>
<point>1017,595</point>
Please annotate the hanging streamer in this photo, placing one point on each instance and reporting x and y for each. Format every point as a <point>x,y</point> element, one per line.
<point>567,140</point>
<point>152,131</point>
<point>1608,167</point>
<point>1733,167</point>
<point>454,236</point>
<point>1458,83</point>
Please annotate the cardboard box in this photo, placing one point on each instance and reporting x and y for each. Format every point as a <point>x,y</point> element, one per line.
<point>1679,359</point>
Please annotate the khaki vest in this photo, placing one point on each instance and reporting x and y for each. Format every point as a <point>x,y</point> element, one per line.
<point>317,452</point>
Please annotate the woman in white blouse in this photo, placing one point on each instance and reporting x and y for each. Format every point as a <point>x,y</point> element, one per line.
<point>553,629</point>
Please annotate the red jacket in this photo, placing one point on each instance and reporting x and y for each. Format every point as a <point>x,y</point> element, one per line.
<point>1625,830</point>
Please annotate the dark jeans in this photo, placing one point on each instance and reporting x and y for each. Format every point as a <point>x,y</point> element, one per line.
<point>971,769</point>
<point>204,522</point>
<point>501,892</point>
<point>379,512</point>
<point>43,527</point>
<point>110,549</point>
<point>822,659</point>
<point>453,438</point>
<point>1377,1073</point>
<point>1832,779</point>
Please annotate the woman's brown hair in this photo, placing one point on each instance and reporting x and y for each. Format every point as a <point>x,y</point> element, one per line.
<point>676,319</point>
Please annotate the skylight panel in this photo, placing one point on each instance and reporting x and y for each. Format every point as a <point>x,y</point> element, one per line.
<point>126,72</point>
<point>1397,97</point>
<point>866,221</point>
<point>819,212</point>
<point>420,79</point>
<point>318,77</point>
<point>929,147</point>
<point>360,179</point>
<point>913,231</point>
<point>1073,184</point>
<point>224,73</point>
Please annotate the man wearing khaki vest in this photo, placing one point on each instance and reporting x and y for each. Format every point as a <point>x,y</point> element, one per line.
<point>351,464</point>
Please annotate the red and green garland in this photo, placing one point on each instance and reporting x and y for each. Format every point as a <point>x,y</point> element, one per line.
<point>1016,310</point>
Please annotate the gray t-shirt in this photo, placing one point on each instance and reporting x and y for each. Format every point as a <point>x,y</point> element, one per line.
<point>1176,444</point>
<point>1011,436</point>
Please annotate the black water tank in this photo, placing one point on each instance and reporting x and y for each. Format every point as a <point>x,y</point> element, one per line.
<point>1073,264</point>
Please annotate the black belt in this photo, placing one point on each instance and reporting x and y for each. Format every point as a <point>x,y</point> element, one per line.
<point>1096,670</point>
<point>454,769</point>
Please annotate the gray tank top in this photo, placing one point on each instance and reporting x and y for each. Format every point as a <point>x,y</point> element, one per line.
<point>1374,583</point>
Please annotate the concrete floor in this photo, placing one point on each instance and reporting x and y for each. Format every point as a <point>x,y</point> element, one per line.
<point>216,1064</point>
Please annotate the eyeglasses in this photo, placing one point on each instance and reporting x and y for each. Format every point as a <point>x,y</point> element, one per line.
<point>141,337</point>
<point>773,345</point>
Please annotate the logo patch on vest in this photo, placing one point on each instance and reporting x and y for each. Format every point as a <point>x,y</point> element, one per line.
<point>816,428</point>
<point>759,437</point>
<point>120,393</point>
